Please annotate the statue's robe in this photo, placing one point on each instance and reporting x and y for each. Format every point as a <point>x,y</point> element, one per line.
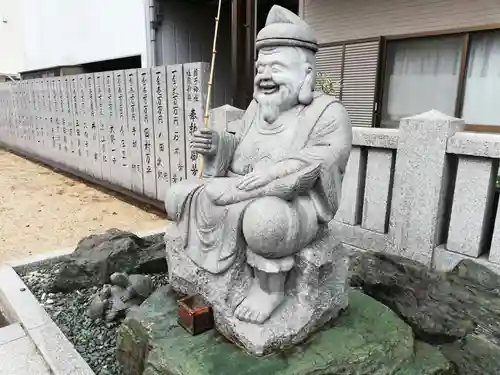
<point>209,212</point>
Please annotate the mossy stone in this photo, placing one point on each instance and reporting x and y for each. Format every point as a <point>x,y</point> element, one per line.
<point>367,339</point>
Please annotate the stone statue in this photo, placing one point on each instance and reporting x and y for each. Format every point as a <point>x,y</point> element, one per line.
<point>254,231</point>
<point>114,301</point>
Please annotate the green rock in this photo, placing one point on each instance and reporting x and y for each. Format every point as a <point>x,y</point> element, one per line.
<point>368,339</point>
<point>474,355</point>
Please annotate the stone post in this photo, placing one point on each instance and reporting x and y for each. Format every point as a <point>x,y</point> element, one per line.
<point>420,185</point>
<point>226,118</point>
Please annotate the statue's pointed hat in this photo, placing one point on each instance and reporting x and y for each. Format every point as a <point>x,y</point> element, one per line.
<point>285,28</point>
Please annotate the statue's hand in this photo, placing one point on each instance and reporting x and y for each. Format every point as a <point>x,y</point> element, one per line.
<point>256,180</point>
<point>205,142</point>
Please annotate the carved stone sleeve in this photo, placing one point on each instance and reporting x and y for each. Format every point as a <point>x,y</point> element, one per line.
<point>217,166</point>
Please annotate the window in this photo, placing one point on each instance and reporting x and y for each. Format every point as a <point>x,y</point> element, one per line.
<point>429,73</point>
<point>482,82</point>
<point>421,74</point>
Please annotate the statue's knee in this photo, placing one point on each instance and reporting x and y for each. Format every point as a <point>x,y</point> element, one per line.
<point>271,228</point>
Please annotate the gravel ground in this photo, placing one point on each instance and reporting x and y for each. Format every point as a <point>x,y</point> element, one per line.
<point>95,341</point>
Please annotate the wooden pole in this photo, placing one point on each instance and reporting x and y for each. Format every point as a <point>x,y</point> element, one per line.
<point>210,80</point>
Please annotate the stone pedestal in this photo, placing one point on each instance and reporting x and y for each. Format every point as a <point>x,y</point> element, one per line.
<point>367,339</point>
<point>315,293</point>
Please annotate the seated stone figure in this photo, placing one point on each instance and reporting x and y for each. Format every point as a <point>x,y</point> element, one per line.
<point>268,190</point>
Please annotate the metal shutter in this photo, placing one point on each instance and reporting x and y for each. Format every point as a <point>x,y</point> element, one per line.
<point>359,80</point>
<point>329,62</point>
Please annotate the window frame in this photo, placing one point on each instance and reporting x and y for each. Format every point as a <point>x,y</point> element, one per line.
<point>459,101</point>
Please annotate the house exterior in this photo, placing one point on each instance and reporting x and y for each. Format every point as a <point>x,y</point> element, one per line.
<point>11,50</point>
<point>396,58</point>
<point>62,37</point>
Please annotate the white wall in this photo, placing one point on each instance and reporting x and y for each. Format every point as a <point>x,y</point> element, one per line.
<point>11,41</point>
<point>70,32</point>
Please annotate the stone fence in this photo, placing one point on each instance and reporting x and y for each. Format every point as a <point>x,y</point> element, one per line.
<point>426,191</point>
<point>130,128</point>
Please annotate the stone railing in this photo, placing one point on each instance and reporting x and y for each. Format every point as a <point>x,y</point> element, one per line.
<point>426,191</point>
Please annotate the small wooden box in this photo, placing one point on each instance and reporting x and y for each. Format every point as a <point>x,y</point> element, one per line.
<point>195,315</point>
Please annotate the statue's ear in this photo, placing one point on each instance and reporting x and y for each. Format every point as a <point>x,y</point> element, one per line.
<point>306,89</point>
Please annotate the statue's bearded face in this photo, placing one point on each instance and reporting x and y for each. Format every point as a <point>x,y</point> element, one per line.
<point>281,74</point>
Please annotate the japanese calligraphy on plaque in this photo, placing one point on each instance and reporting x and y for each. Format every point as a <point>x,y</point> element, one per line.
<point>84,124</point>
<point>134,130</point>
<point>56,112</point>
<point>195,96</point>
<point>101,125</point>
<point>147,133</point>
<point>122,130</point>
<point>78,126</point>
<point>70,124</point>
<point>111,127</point>
<point>63,118</point>
<point>95,152</point>
<point>41,119</point>
<point>177,136</point>
<point>50,117</point>
<point>160,109</point>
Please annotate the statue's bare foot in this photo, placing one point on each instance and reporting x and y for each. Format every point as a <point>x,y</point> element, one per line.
<point>258,305</point>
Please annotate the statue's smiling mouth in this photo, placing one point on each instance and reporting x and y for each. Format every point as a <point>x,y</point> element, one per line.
<point>268,87</point>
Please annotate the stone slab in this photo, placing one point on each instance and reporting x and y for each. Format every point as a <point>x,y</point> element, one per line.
<point>445,260</point>
<point>195,96</point>
<point>421,166</point>
<point>19,302</point>
<point>349,211</point>
<point>472,205</point>
<point>10,333</point>
<point>59,354</point>
<point>367,339</point>
<point>494,255</point>
<point>377,190</point>
<point>475,144</point>
<point>375,137</point>
<point>354,235</point>
<point>20,357</point>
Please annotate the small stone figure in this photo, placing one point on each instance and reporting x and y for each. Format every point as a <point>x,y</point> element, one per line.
<point>114,301</point>
<point>253,235</point>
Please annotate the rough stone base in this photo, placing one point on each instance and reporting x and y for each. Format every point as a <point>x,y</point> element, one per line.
<point>368,338</point>
<point>316,293</point>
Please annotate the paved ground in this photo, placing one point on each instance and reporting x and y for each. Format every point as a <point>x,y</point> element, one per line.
<point>41,210</point>
<point>18,354</point>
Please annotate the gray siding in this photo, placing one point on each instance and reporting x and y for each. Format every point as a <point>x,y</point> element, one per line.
<point>342,20</point>
<point>186,35</point>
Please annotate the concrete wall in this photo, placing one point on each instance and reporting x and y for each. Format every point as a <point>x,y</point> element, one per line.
<point>71,32</point>
<point>342,20</point>
<point>11,38</point>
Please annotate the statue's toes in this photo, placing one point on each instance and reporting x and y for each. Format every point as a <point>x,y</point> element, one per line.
<point>259,318</point>
<point>241,312</point>
<point>252,316</point>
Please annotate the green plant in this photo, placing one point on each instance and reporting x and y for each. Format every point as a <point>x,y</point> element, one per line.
<point>327,85</point>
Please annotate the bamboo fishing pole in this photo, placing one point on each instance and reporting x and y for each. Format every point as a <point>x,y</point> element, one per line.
<point>210,80</point>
